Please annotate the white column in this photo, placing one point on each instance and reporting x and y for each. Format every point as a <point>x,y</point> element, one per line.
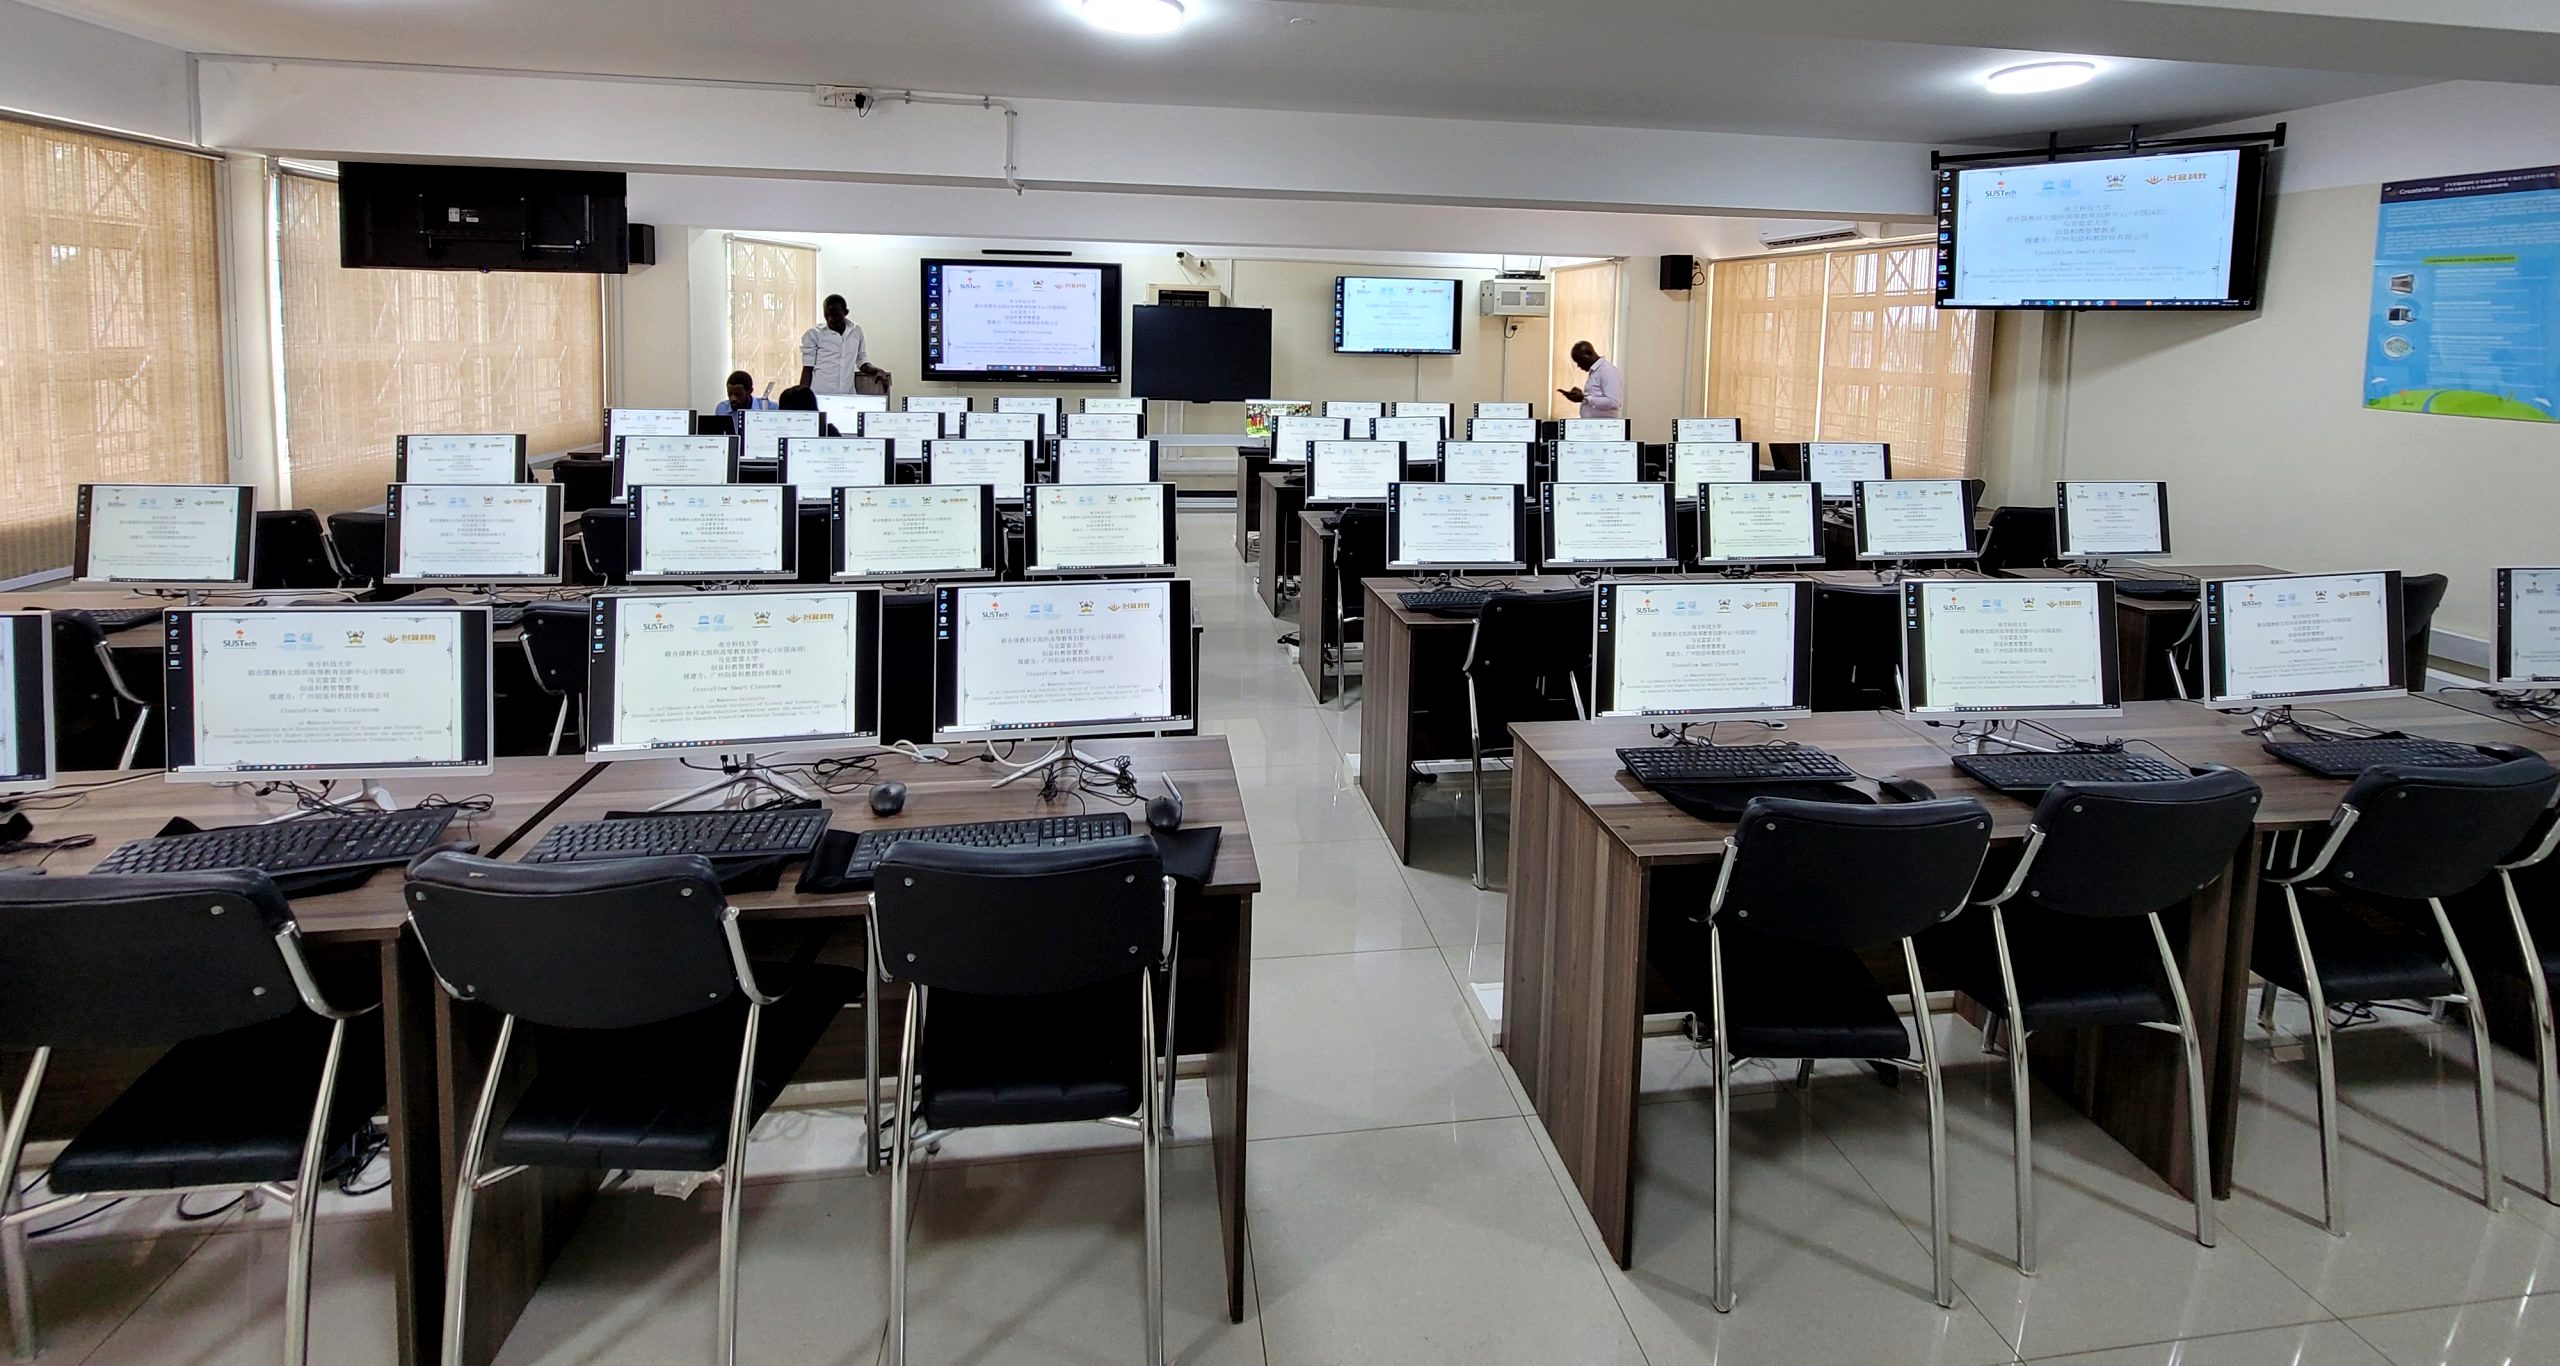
<point>249,339</point>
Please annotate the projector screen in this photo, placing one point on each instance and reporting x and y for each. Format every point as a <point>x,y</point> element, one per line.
<point>2167,230</point>
<point>989,321</point>
<point>1389,315</point>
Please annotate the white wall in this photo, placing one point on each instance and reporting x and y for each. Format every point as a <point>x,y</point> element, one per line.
<point>61,68</point>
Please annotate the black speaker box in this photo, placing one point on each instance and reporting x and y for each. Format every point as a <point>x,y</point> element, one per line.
<point>644,244</point>
<point>1679,272</point>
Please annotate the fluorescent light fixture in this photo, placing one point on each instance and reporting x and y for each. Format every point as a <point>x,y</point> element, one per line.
<point>1132,16</point>
<point>2034,78</point>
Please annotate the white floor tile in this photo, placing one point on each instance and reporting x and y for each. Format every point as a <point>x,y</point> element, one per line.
<point>226,1304</point>
<point>2311,1344</point>
<point>85,1288</point>
<point>1333,898</point>
<point>2510,1332</point>
<point>1366,1041</point>
<point>1306,806</point>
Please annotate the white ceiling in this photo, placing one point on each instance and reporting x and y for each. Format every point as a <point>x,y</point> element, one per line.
<point>1641,63</point>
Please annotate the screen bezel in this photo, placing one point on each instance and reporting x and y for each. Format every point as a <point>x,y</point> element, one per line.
<point>622,466</point>
<point>691,416</point>
<point>478,721</point>
<point>2062,522</point>
<point>639,538</point>
<point>951,417</point>
<point>1858,525</point>
<point>400,457</point>
<point>1547,532</point>
<point>32,650</point>
<point>898,441</point>
<point>1676,437</point>
<point>1706,542</point>
<point>1166,495</point>
<point>1518,563</point>
<point>1457,317</point>
<point>244,542</point>
<point>1057,462</point>
<point>1023,449</point>
<point>1316,500</point>
<point>1623,429</point>
<point>1528,471</point>
<point>2502,664</point>
<point>888,466</point>
<point>750,418</point>
<point>859,404</point>
<point>2248,235</point>
<point>1556,456</point>
<point>2209,634</point>
<point>990,539</point>
<point>1806,472</point>
<point>1671,466</point>
<point>929,326</point>
<point>553,518</point>
<point>1067,423</point>
<point>946,650</point>
<point>2110,667</point>
<point>1604,656</point>
<point>603,744</point>
<point>1530,440</point>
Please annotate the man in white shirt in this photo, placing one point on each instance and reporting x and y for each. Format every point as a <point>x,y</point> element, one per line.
<point>1605,394</point>
<point>832,354</point>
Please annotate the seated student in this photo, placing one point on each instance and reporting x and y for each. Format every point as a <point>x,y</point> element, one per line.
<point>800,398</point>
<point>742,396</point>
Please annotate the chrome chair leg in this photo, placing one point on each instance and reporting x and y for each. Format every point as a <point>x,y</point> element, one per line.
<point>133,738</point>
<point>2493,1180</point>
<point>1804,1074</point>
<point>2325,1062</point>
<point>733,1182</point>
<point>1151,1143</point>
<point>1475,745</point>
<point>1722,1079</point>
<point>13,1240</point>
<point>466,1193</point>
<point>2199,1143</point>
<point>2546,1056</point>
<point>1172,1021</point>
<point>900,1150</point>
<point>306,1206</point>
<point>870,1054</point>
<point>1938,1250</point>
<point>559,723</point>
<point>2020,1116</point>
<point>2267,1007</point>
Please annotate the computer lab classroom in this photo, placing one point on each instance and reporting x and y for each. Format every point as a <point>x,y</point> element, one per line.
<point>1299,682</point>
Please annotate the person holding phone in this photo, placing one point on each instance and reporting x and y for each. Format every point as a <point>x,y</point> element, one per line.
<point>1605,393</point>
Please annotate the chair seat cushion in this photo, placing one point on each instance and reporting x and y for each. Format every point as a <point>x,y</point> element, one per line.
<point>2073,971</point>
<point>2365,950</point>
<point>1784,1000</point>
<point>1055,1059</point>
<point>227,1109</point>
<point>657,1097</point>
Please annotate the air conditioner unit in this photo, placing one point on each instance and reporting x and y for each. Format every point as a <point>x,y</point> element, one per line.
<point>1187,296</point>
<point>1515,297</point>
<point>1780,233</point>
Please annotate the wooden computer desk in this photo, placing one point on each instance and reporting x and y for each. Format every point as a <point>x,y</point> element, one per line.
<point>1251,464</point>
<point>1283,493</point>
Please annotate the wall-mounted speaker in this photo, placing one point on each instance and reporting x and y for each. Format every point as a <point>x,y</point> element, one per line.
<point>1679,272</point>
<point>644,244</point>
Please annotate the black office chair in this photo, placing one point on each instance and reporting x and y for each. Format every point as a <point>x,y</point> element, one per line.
<point>1857,647</point>
<point>2511,933</point>
<point>554,637</point>
<point>659,1044</point>
<point>583,484</point>
<point>1528,660</point>
<point>88,687</point>
<point>991,962</point>
<point>292,552</point>
<point>2059,948</point>
<point>816,530</point>
<point>358,538</point>
<point>2019,538</point>
<point>1359,554</point>
<point>604,540</point>
<point>1772,968</point>
<point>2420,596</point>
<point>2399,835</point>
<point>261,1081</point>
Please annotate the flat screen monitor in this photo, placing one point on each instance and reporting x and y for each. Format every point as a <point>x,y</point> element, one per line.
<point>2168,229</point>
<point>460,458</point>
<point>673,460</point>
<point>906,433</point>
<point>327,692</point>
<point>2313,638</point>
<point>1004,466</point>
<point>1914,519</point>
<point>1420,436</point>
<point>1521,429</point>
<point>1711,462</point>
<point>1406,407</point>
<point>990,322</point>
<point>814,467</point>
<point>1485,462</point>
<point>163,535</point>
<point>1104,426</point>
<point>471,533</point>
<point>622,422</point>
<point>1026,661</point>
<point>1044,406</point>
<point>1760,523</point>
<point>914,531</point>
<point>1457,528</point>
<point>844,411</point>
<point>775,669</point>
<point>1098,529</point>
<point>1085,461</point>
<point>1296,431</point>
<point>1354,408</point>
<point>2100,519</point>
<point>1388,315</point>
<point>763,429</point>
<point>1505,409</point>
<point>1836,466</point>
<point>1345,472</point>
<point>2528,628</point>
<point>2004,649</point>
<point>26,715</point>
<point>1135,407</point>
<point>1262,415</point>
<point>1024,427</point>
<point>1199,355</point>
<point>696,532</point>
<point>1609,526</point>
<point>950,408</point>
<point>1592,429</point>
<point>1595,462</point>
<point>1703,650</point>
<point>1706,429</point>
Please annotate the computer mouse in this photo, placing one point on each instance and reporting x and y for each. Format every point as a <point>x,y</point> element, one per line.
<point>1165,813</point>
<point>888,799</point>
<point>1907,790</point>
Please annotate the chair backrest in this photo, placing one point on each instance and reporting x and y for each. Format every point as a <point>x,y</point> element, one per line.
<point>2424,832</point>
<point>1857,647</point>
<point>606,945</point>
<point>555,646</point>
<point>604,534</point>
<point>1853,877</point>
<point>1359,554</point>
<point>128,961</point>
<point>358,537</point>
<point>816,547</point>
<point>2133,848</point>
<point>2420,596</point>
<point>291,551</point>
<point>2019,538</point>
<point>583,483</point>
<point>1528,661</point>
<point>1019,922</point>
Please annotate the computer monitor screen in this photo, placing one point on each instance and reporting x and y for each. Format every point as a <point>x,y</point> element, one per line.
<point>1485,462</point>
<point>1524,429</point>
<point>914,531</point>
<point>1098,528</point>
<point>673,460</point>
<point>2528,628</point>
<point>1044,406</point>
<point>764,428</point>
<point>844,411</point>
<point>327,691</point>
<point>1705,650</point>
<point>814,467</point>
<point>1504,410</point>
<point>1262,415</point>
<point>1023,427</point>
<point>622,422</point>
<point>2303,637</point>
<point>1996,649</point>
<point>1037,660</point>
<point>460,458</point>
<point>1103,426</point>
<point>773,669</point>
<point>712,531</point>
<point>1004,466</point>
<point>1353,472</point>
<point>26,712</point>
<point>951,409</point>
<point>1453,527</point>
<point>1759,524</point>
<point>990,321</point>
<point>1609,526</point>
<point>1711,462</point>
<point>1592,429</point>
<point>1595,462</point>
<point>1134,406</point>
<point>1420,436</point>
<point>1083,460</point>
<point>1914,519</point>
<point>471,533</point>
<point>163,535</point>
<point>1296,431</point>
<point>1706,429</point>
<point>906,433</point>
<point>2101,518</point>
<point>1837,466</point>
<point>1446,412</point>
<point>1354,408</point>
<point>1396,316</point>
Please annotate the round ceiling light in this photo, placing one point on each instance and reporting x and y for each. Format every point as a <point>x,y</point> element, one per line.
<point>2035,78</point>
<point>1132,16</point>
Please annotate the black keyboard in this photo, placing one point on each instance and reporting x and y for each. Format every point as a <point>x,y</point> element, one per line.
<point>713,834</point>
<point>871,846</point>
<point>505,614</point>
<point>124,618</point>
<point>310,844</point>
<point>2349,758</point>
<point>1446,602</point>
<point>2026,773</point>
<point>1693,763</point>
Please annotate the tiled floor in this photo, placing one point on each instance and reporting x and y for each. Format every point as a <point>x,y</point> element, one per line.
<point>1404,1210</point>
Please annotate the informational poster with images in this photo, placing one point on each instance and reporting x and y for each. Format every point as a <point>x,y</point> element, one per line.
<point>2466,297</point>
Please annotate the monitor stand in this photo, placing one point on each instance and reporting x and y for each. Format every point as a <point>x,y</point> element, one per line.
<point>1679,735</point>
<point>1977,737</point>
<point>1061,759</point>
<point>1739,571</point>
<point>1892,574</point>
<point>742,774</point>
<point>370,795</point>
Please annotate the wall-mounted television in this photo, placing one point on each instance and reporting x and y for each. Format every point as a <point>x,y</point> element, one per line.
<point>995,321</point>
<point>2168,229</point>
<point>1395,315</point>
<point>1202,355</point>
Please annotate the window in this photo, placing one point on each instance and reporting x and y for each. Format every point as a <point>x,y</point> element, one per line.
<point>1847,345</point>
<point>773,299</point>
<point>1586,309</point>
<point>372,354</point>
<point>110,330</point>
